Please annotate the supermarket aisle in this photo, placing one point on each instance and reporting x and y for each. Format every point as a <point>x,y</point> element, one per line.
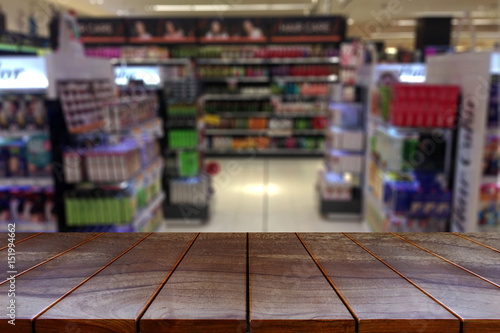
<point>275,195</point>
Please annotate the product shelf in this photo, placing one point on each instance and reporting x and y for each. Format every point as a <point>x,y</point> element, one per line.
<point>151,172</point>
<point>236,61</point>
<point>272,61</point>
<point>20,134</point>
<point>235,132</point>
<point>236,97</point>
<point>305,60</point>
<point>144,215</point>
<point>148,130</point>
<point>145,61</point>
<point>22,226</point>
<point>263,114</point>
<point>27,181</point>
<point>265,152</point>
<point>238,114</point>
<point>250,79</point>
<point>329,79</point>
<point>267,132</point>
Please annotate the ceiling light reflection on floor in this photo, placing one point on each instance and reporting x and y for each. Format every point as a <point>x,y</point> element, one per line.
<point>261,189</point>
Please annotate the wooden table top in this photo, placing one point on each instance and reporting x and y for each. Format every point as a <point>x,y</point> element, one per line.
<point>154,283</point>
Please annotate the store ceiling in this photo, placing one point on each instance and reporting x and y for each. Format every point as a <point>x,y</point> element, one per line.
<point>398,30</point>
<point>359,10</point>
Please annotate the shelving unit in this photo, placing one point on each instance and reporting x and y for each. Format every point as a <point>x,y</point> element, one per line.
<point>403,193</point>
<point>476,196</point>
<point>238,68</point>
<point>187,186</point>
<point>340,182</point>
<point>26,182</point>
<point>281,130</point>
<point>109,178</point>
<point>273,61</point>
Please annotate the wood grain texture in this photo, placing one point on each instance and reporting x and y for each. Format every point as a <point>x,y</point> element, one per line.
<point>41,248</point>
<point>382,300</point>
<point>491,239</point>
<point>207,291</point>
<point>20,237</point>
<point>469,255</point>
<point>288,292</point>
<point>475,301</point>
<point>40,288</point>
<point>113,299</point>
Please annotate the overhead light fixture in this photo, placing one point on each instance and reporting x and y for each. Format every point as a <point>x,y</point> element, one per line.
<point>458,14</point>
<point>222,7</point>
<point>406,23</point>
<point>391,50</point>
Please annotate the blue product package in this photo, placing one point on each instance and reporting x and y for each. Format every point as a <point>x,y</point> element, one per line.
<point>16,162</point>
<point>493,114</point>
<point>4,156</point>
<point>403,196</point>
<point>417,205</point>
<point>431,203</point>
<point>387,194</point>
<point>444,205</point>
<point>4,205</point>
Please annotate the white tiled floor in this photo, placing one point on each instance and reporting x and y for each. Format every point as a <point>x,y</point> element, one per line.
<point>243,202</point>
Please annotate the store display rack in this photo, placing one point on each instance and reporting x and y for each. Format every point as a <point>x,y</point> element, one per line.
<point>237,126</point>
<point>106,158</point>
<point>237,68</point>
<point>26,183</point>
<point>183,152</point>
<point>409,165</point>
<point>340,183</point>
<point>476,195</point>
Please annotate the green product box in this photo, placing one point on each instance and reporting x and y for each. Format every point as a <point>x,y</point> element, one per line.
<point>410,147</point>
<point>84,209</point>
<point>188,164</point>
<point>68,204</point>
<point>108,219</point>
<point>385,101</point>
<point>115,209</point>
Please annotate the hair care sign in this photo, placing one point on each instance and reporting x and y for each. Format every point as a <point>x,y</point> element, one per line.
<point>23,73</point>
<point>149,75</point>
<point>165,30</point>
<point>102,30</point>
<point>321,29</point>
<point>232,30</point>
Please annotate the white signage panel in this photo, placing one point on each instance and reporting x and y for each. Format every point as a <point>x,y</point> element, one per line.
<point>23,73</point>
<point>149,74</point>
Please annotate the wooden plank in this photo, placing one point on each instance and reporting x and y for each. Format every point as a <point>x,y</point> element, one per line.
<point>475,301</point>
<point>468,255</point>
<point>40,249</point>
<point>382,301</point>
<point>288,292</point>
<point>20,237</point>
<point>42,287</point>
<point>207,291</point>
<point>490,239</point>
<point>113,299</point>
